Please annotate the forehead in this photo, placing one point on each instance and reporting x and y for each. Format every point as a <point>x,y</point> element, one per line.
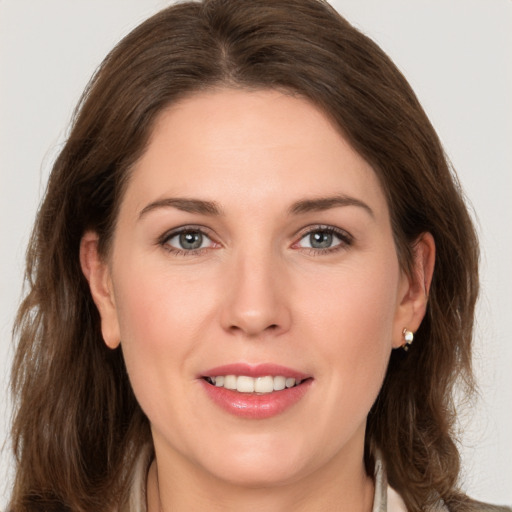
<point>263,144</point>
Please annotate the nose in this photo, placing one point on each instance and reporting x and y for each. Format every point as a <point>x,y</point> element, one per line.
<point>257,298</point>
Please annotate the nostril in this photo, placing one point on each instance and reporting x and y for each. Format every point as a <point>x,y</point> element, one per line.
<point>269,328</point>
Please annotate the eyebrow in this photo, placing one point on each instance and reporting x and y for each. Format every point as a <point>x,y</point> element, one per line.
<point>326,203</point>
<point>203,207</point>
<point>184,204</point>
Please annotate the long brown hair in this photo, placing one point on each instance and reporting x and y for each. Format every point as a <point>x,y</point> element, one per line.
<point>78,427</point>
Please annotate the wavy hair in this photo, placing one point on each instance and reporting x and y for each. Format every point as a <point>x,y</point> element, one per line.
<point>78,428</point>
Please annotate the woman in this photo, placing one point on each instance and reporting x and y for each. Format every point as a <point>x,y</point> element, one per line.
<point>233,268</point>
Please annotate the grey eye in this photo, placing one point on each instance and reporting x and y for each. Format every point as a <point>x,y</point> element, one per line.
<point>324,239</point>
<point>320,240</point>
<point>188,240</point>
<point>191,240</point>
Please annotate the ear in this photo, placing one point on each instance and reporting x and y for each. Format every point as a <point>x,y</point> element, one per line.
<point>414,289</point>
<point>97,273</point>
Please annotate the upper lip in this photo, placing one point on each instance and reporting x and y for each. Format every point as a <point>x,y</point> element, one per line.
<point>255,370</point>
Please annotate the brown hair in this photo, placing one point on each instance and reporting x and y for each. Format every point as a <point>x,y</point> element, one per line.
<point>78,427</point>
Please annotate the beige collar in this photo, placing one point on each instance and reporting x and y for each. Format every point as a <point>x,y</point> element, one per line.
<point>386,499</point>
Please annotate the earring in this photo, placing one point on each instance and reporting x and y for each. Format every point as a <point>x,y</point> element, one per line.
<point>408,338</point>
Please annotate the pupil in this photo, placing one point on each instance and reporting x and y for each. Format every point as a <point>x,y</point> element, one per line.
<point>320,240</point>
<point>191,240</point>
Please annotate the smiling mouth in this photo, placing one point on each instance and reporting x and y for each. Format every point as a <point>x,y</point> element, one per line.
<point>259,385</point>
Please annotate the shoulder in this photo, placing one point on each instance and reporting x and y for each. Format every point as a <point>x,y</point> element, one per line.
<point>485,507</point>
<point>387,499</point>
<point>468,505</point>
<point>461,504</point>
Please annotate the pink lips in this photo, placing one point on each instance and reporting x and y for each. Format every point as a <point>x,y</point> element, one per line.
<point>252,405</point>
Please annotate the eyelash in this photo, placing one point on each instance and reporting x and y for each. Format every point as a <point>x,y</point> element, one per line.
<point>164,240</point>
<point>345,238</point>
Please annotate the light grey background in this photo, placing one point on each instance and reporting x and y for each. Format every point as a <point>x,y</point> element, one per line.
<point>457,54</point>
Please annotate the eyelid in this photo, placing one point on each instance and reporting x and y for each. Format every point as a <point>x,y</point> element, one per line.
<point>171,233</point>
<point>183,229</point>
<point>346,238</point>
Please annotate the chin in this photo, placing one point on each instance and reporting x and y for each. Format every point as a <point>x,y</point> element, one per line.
<point>258,475</point>
<point>259,467</point>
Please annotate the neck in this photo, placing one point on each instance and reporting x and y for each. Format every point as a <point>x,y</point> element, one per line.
<point>333,488</point>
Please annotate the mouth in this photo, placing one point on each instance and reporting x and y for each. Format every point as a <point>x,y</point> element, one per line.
<point>259,385</point>
<point>255,391</point>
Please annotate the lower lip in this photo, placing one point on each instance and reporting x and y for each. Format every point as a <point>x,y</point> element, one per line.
<point>253,406</point>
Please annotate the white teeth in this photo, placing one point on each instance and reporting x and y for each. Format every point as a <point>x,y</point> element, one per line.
<point>279,383</point>
<point>229,381</point>
<point>245,384</point>
<point>264,384</point>
<point>290,382</point>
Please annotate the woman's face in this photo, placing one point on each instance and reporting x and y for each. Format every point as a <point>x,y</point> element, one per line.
<point>253,245</point>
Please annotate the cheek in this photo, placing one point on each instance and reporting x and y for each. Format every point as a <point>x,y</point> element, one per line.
<point>161,321</point>
<point>355,305</point>
<point>157,308</point>
<point>352,319</point>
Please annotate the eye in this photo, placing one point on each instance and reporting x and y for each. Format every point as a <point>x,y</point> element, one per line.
<point>324,239</point>
<point>187,241</point>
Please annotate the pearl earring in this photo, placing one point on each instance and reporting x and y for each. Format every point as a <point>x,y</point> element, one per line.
<point>408,338</point>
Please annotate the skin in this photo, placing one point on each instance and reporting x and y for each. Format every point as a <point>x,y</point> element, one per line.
<point>255,293</point>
